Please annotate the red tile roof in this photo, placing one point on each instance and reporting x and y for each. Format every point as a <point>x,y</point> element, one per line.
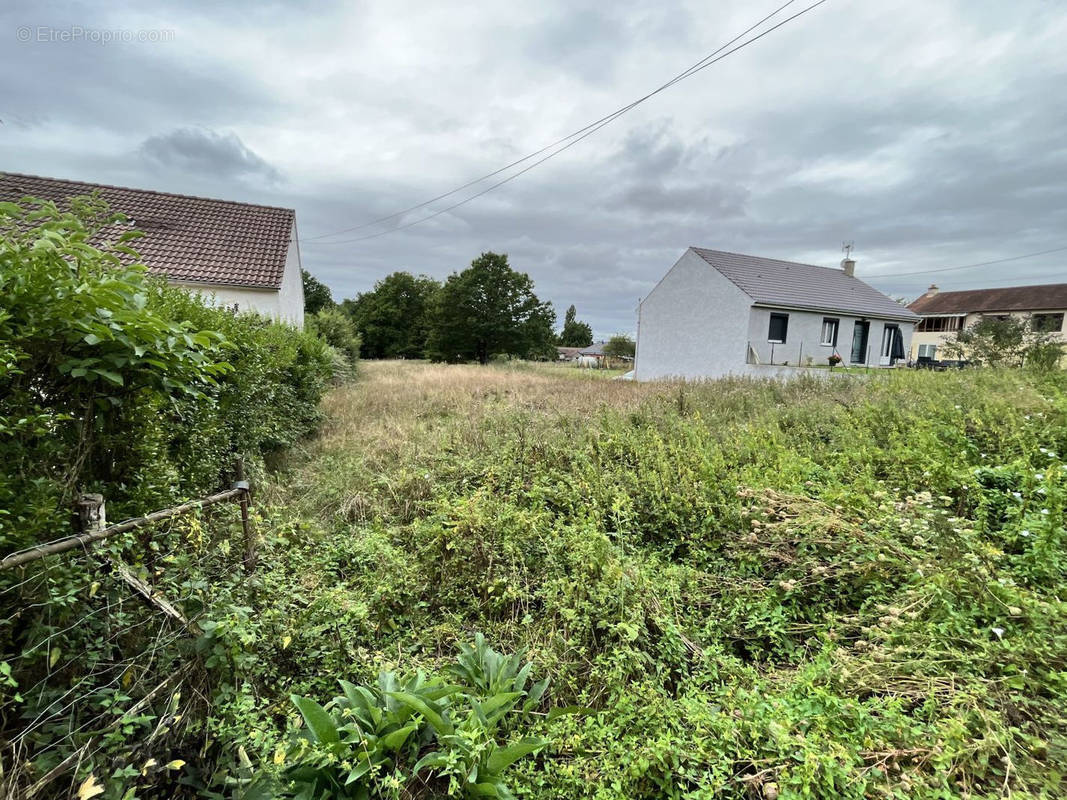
<point>190,239</point>
<point>1010,298</point>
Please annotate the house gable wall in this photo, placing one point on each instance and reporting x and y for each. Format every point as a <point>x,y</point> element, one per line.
<point>692,325</point>
<point>285,304</point>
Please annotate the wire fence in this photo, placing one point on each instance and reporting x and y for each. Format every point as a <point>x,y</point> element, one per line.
<point>101,645</point>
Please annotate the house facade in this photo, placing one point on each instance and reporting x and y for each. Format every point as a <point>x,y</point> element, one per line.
<point>239,255</point>
<point>716,314</point>
<point>943,314</point>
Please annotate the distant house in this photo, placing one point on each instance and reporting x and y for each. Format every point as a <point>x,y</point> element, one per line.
<point>244,256</point>
<point>568,353</point>
<point>716,313</point>
<point>592,356</point>
<point>945,313</point>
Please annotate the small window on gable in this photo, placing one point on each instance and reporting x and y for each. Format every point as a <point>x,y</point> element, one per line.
<point>776,331</point>
<point>829,331</point>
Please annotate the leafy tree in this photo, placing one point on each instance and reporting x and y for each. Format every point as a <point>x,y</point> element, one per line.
<point>490,309</point>
<point>1006,342</point>
<point>317,294</point>
<point>338,330</point>
<point>620,346</point>
<point>393,320</point>
<point>575,333</point>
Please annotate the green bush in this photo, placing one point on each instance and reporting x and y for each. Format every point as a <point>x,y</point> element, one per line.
<point>338,330</point>
<point>111,381</point>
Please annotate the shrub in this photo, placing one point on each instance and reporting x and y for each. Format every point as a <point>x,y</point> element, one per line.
<point>367,742</point>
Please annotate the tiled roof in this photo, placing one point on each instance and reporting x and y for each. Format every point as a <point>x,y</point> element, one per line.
<point>1010,298</point>
<point>193,239</point>
<point>787,284</point>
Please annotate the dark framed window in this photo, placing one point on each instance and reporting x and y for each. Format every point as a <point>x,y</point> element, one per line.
<point>829,331</point>
<point>778,328</point>
<point>939,324</point>
<point>1047,323</point>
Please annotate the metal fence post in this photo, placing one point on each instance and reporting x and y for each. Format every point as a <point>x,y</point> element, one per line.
<point>250,544</point>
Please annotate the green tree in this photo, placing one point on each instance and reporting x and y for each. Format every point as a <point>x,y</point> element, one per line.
<point>620,346</point>
<point>317,294</point>
<point>1006,342</point>
<point>490,309</point>
<point>575,333</point>
<point>393,320</point>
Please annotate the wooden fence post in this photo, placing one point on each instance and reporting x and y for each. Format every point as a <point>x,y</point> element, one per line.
<point>91,512</point>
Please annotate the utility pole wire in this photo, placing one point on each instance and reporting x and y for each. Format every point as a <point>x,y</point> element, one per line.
<point>967,266</point>
<point>581,134</point>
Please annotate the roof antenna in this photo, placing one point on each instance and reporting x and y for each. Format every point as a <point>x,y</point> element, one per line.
<point>848,264</point>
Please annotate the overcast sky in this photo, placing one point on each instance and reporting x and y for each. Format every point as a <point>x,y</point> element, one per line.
<point>933,134</point>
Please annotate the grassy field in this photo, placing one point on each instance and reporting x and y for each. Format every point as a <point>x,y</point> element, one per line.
<point>850,588</point>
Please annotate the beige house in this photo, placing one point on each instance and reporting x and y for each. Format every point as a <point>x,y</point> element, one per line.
<point>238,255</point>
<point>945,313</point>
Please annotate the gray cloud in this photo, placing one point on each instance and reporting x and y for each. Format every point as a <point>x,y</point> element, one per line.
<point>931,134</point>
<point>207,152</point>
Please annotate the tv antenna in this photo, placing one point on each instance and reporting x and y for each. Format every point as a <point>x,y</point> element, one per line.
<point>846,248</point>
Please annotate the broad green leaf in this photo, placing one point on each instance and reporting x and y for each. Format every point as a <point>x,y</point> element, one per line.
<point>567,710</point>
<point>434,759</point>
<point>318,720</point>
<point>357,772</point>
<point>394,740</point>
<point>504,757</point>
<point>433,712</point>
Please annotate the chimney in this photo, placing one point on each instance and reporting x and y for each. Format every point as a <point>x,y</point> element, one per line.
<point>931,291</point>
<point>849,266</point>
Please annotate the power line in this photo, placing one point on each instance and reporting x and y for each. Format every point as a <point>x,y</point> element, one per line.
<point>712,58</point>
<point>969,266</point>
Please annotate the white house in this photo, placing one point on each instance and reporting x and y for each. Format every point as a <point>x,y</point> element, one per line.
<point>715,314</point>
<point>240,255</point>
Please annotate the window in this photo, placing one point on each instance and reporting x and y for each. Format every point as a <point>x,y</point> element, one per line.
<point>939,324</point>
<point>1047,323</point>
<point>777,330</point>
<point>829,332</point>
<point>928,351</point>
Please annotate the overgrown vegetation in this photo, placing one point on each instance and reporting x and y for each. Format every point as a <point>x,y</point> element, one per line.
<point>846,588</point>
<point>827,588</point>
<point>112,382</point>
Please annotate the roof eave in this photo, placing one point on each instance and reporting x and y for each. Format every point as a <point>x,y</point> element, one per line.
<point>905,317</point>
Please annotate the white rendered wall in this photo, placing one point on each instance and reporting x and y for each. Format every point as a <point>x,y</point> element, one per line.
<point>694,324</point>
<point>804,337</point>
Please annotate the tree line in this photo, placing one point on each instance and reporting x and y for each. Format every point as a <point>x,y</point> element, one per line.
<point>486,310</point>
